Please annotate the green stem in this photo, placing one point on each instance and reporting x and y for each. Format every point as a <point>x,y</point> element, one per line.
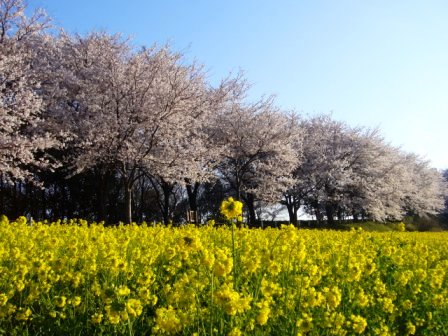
<point>211,307</point>
<point>130,327</point>
<point>234,257</point>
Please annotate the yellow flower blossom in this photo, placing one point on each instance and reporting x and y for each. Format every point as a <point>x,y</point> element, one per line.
<point>97,318</point>
<point>359,323</point>
<point>76,301</point>
<point>235,332</point>
<point>23,314</point>
<point>134,307</point>
<point>60,301</point>
<point>3,299</point>
<point>305,324</point>
<point>168,320</point>
<point>231,208</point>
<point>123,291</point>
<point>263,315</point>
<point>410,328</point>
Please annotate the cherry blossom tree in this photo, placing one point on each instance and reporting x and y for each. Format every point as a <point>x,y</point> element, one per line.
<point>258,153</point>
<point>206,156</point>
<point>187,158</point>
<point>328,155</point>
<point>182,157</point>
<point>445,211</point>
<point>426,189</point>
<point>21,105</point>
<point>135,111</point>
<point>353,172</point>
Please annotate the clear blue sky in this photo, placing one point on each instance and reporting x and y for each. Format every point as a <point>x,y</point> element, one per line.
<point>371,63</point>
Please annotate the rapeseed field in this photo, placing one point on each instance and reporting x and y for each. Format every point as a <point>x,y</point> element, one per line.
<point>80,278</point>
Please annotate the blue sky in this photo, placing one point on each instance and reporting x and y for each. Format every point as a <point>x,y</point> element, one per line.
<point>370,63</point>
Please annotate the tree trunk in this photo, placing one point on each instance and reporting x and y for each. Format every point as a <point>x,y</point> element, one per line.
<point>340,216</point>
<point>192,191</point>
<point>329,211</point>
<point>317,212</point>
<point>238,193</point>
<point>293,205</point>
<point>15,201</point>
<point>2,197</point>
<point>294,218</point>
<point>238,186</point>
<point>292,212</point>
<point>355,216</point>
<point>44,205</point>
<point>128,202</point>
<point>103,197</point>
<point>167,190</point>
<point>250,202</point>
<point>142,202</point>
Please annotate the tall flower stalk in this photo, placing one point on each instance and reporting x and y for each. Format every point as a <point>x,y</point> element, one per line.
<point>232,210</point>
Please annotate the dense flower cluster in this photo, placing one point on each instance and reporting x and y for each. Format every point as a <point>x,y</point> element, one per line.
<point>231,208</point>
<point>79,278</point>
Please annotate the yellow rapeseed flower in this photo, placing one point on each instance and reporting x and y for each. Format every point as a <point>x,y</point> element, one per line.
<point>60,301</point>
<point>263,315</point>
<point>3,299</point>
<point>359,324</point>
<point>168,320</point>
<point>305,324</point>
<point>23,314</point>
<point>123,291</point>
<point>235,332</point>
<point>231,208</point>
<point>97,318</point>
<point>134,307</point>
<point>76,301</point>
